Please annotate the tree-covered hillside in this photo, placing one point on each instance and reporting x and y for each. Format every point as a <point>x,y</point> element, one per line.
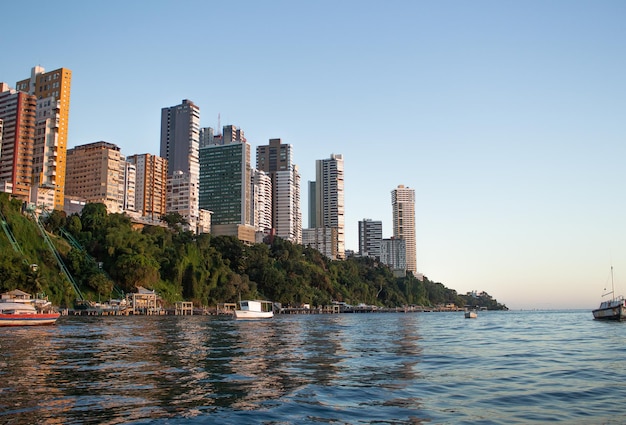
<point>107,257</point>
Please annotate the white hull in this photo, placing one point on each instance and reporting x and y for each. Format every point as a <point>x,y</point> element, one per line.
<point>471,315</point>
<point>243,314</point>
<point>254,309</point>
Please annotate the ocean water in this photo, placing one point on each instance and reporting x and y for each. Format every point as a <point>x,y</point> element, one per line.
<point>388,368</point>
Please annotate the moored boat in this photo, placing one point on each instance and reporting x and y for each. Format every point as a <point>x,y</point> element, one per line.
<point>471,314</point>
<point>613,309</point>
<point>254,309</point>
<point>22,314</point>
<point>17,308</point>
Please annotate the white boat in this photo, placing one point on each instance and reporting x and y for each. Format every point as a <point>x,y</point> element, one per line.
<point>613,309</point>
<point>471,314</point>
<point>254,309</point>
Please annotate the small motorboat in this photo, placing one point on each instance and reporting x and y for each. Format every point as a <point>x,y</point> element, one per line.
<point>254,309</point>
<point>471,314</point>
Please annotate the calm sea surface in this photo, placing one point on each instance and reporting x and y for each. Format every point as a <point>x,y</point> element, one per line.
<point>391,368</point>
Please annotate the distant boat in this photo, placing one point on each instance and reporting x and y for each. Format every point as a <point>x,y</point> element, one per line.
<point>613,309</point>
<point>254,309</point>
<point>17,308</point>
<point>471,314</point>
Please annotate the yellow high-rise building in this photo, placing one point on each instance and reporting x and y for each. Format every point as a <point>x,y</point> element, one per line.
<point>52,90</point>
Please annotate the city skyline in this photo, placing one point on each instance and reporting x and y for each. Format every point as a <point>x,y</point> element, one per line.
<point>506,118</point>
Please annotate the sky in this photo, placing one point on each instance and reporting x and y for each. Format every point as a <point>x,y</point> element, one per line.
<point>508,118</point>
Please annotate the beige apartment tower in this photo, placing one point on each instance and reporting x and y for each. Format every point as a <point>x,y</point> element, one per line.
<point>403,207</point>
<point>150,185</point>
<point>52,90</point>
<point>95,173</point>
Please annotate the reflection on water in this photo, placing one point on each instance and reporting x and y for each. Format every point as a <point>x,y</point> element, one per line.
<point>124,369</point>
<point>361,368</point>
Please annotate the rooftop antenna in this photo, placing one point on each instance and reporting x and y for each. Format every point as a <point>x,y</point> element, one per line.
<point>219,125</point>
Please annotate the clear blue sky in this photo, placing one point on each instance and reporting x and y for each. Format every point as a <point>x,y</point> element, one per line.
<point>507,118</point>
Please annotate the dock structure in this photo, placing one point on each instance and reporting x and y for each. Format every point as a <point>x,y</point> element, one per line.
<point>183,308</point>
<point>144,302</point>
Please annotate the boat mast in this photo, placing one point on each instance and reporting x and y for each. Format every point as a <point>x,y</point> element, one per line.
<point>612,285</point>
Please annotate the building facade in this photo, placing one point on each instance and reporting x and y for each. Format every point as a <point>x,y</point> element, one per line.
<point>403,209</point>
<point>150,185</point>
<point>327,206</point>
<point>323,239</point>
<point>262,201</point>
<point>182,198</point>
<point>276,159</point>
<point>52,90</point>
<point>95,173</point>
<point>226,181</point>
<point>180,138</point>
<point>370,238</point>
<point>17,135</point>
<point>130,182</point>
<point>393,254</point>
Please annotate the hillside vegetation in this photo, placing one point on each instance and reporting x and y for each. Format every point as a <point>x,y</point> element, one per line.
<point>106,257</point>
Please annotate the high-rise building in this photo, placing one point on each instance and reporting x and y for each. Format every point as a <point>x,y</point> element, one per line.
<point>182,198</point>
<point>130,181</point>
<point>393,254</point>
<point>370,238</point>
<point>52,90</point>
<point>180,138</point>
<point>207,137</point>
<point>403,208</point>
<point>17,134</point>
<point>312,204</point>
<point>150,185</point>
<point>328,204</point>
<point>262,201</point>
<point>95,173</point>
<point>323,239</point>
<point>276,159</point>
<point>226,183</point>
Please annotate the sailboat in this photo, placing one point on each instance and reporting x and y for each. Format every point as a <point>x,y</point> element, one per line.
<point>613,309</point>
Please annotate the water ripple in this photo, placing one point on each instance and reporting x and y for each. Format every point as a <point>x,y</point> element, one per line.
<point>503,368</point>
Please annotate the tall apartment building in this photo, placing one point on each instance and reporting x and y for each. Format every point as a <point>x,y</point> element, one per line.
<point>403,208</point>
<point>370,238</point>
<point>327,206</point>
<point>323,239</point>
<point>95,173</point>
<point>393,254</point>
<point>180,137</point>
<point>182,197</point>
<point>130,181</point>
<point>52,90</point>
<point>276,159</point>
<point>226,183</point>
<point>17,134</point>
<point>150,185</point>
<point>261,201</point>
